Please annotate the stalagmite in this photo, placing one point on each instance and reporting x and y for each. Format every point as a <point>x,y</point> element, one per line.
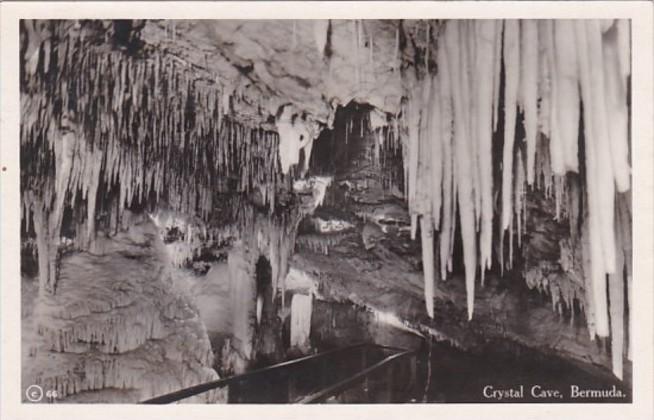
<point>301,308</point>
<point>512,80</point>
<point>463,163</point>
<point>529,89</point>
<point>427,235</point>
<point>567,93</point>
<point>242,289</point>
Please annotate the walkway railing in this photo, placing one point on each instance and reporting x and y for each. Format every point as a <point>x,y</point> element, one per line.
<point>281,373</point>
<point>336,389</point>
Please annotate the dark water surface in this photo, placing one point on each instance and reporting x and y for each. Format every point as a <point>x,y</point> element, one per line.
<point>435,373</point>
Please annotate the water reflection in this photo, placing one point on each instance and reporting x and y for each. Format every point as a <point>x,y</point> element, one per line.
<point>434,373</point>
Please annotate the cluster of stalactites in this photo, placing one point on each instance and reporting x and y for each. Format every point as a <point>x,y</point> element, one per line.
<point>269,235</point>
<point>106,131</point>
<point>553,69</point>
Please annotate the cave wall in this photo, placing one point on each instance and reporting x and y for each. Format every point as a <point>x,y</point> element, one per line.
<point>120,329</point>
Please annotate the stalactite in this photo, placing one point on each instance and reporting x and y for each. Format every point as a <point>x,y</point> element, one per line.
<point>427,236</point>
<point>616,307</point>
<point>616,105</point>
<point>467,38</point>
<point>519,195</point>
<point>623,29</point>
<point>110,135</point>
<point>411,145</point>
<point>484,101</point>
<point>554,135</point>
<point>600,121</point>
<point>434,133</point>
<point>596,175</point>
<point>46,249</point>
<point>448,178</point>
<point>463,163</point>
<point>396,56</point>
<point>320,243</point>
<point>566,101</point>
<point>497,69</point>
<point>529,44</point>
<point>544,79</point>
<point>589,300</point>
<point>540,78</point>
<point>355,47</point>
<point>320,27</point>
<point>425,176</point>
<point>512,79</point>
<point>92,193</point>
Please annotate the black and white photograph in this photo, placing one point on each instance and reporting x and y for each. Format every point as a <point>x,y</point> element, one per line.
<point>427,211</point>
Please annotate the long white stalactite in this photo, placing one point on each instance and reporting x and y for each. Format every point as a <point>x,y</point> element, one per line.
<point>552,71</point>
<point>449,203</point>
<point>427,234</point>
<point>463,162</point>
<point>566,103</point>
<point>484,100</point>
<point>511,83</point>
<point>529,44</point>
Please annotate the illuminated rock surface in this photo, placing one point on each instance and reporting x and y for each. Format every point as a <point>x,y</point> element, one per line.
<point>119,326</point>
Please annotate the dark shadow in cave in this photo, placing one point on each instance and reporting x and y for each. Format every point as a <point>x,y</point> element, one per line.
<point>263,273</point>
<point>268,335</point>
<point>336,150</point>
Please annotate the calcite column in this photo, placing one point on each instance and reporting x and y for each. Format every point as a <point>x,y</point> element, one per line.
<point>48,252</point>
<point>243,291</point>
<point>301,307</point>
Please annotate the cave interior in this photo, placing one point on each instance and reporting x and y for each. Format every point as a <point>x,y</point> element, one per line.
<point>202,198</point>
